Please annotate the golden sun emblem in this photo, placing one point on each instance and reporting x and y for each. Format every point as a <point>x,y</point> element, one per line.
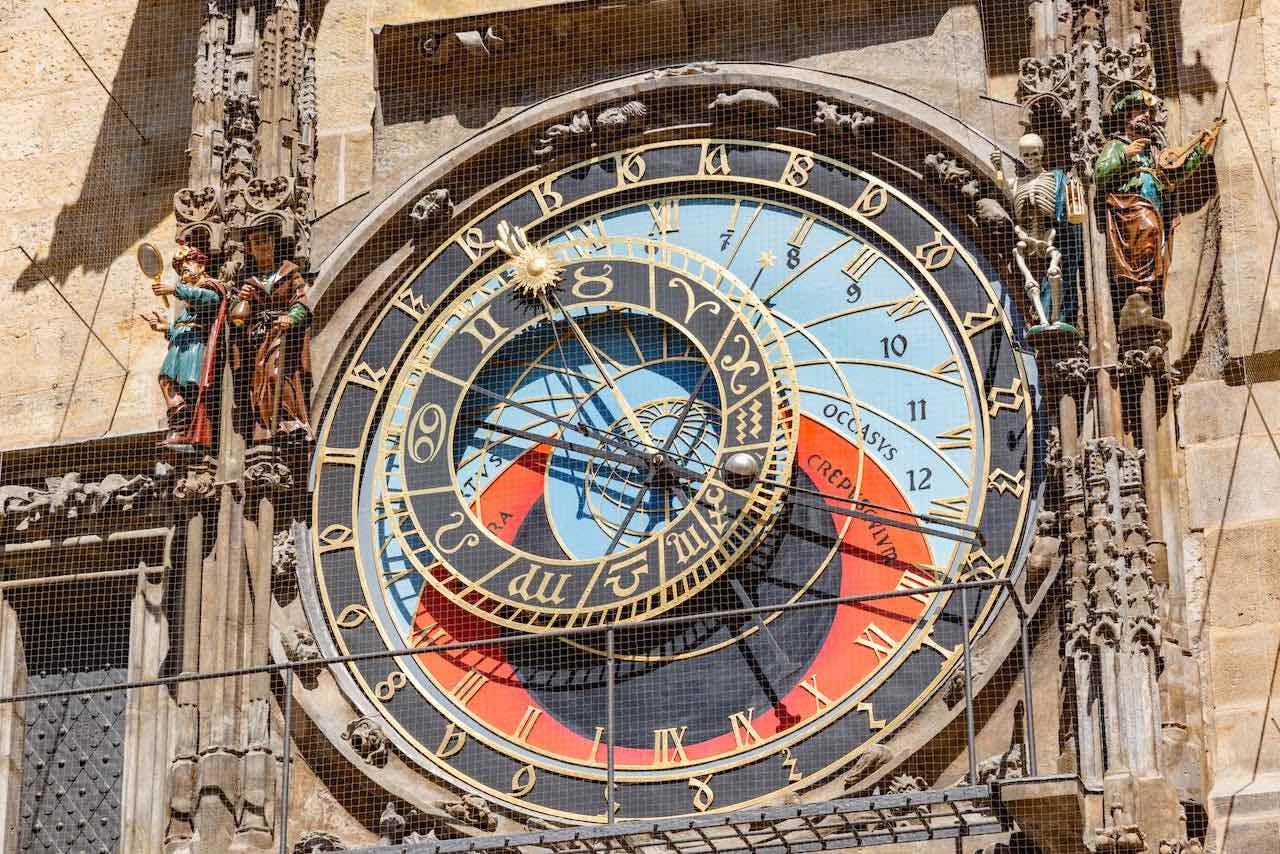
<point>535,269</point>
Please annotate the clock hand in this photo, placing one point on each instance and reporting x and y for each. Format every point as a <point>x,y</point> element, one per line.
<point>600,453</point>
<point>744,597</point>
<point>549,301</point>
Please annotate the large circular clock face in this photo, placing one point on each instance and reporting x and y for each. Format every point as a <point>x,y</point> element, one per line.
<point>642,391</point>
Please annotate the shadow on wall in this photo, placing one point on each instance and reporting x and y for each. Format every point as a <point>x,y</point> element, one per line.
<point>128,186</point>
<point>426,71</point>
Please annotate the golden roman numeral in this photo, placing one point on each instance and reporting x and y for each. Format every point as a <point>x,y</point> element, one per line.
<point>744,731</point>
<point>875,639</point>
<point>594,231</point>
<point>914,578</point>
<point>468,686</point>
<point>954,509</point>
<point>668,746</point>
<point>913,303</point>
<point>801,234</point>
<point>861,262</point>
<point>820,700</point>
<point>665,215</point>
<point>531,715</point>
<point>960,437</point>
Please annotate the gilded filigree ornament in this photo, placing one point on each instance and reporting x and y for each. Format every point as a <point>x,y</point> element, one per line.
<point>535,268</point>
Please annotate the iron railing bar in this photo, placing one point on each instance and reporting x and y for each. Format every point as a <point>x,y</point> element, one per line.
<point>968,689</point>
<point>579,631</point>
<point>287,770</point>
<point>1029,711</point>
<point>610,712</point>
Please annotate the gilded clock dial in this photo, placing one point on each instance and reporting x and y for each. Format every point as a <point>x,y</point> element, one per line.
<point>640,392</point>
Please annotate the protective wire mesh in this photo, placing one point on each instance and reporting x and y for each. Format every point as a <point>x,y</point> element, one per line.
<point>702,425</point>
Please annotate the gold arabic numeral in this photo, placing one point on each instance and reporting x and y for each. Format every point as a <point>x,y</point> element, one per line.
<point>959,437</point>
<point>631,569</point>
<point>631,167</point>
<point>796,173</point>
<point>468,686</point>
<point>482,327</point>
<point>426,433</point>
<point>595,744</point>
<point>689,544</point>
<point>335,536</point>
<point>548,199</point>
<point>692,305</point>
<point>452,743</point>
<point>915,578</point>
<point>665,214</point>
<point>523,781</point>
<point>878,641</point>
<point>935,254</point>
<point>387,688</point>
<point>531,715</point>
<point>714,160</point>
<point>368,376</point>
<point>872,201</point>
<point>668,746</point>
<point>789,763</point>
<point>538,585</point>
<point>703,795</point>
<point>592,287</point>
<point>820,700</point>
<point>467,541</point>
<point>744,731</point>
<point>592,230</point>
<point>741,364</point>
<point>352,616</point>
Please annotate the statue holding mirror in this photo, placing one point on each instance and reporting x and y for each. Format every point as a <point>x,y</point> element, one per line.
<point>189,369</point>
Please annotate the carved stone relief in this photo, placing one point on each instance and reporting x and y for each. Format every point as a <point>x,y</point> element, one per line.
<point>368,741</point>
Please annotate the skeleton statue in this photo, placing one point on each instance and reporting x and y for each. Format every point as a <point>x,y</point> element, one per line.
<point>1046,237</point>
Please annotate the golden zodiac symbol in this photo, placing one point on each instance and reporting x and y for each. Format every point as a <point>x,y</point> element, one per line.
<point>704,796</point>
<point>742,363</point>
<point>581,282</point>
<point>692,306</point>
<point>469,541</point>
<point>429,422</point>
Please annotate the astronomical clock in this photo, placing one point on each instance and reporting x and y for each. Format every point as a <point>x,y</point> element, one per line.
<point>638,401</point>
